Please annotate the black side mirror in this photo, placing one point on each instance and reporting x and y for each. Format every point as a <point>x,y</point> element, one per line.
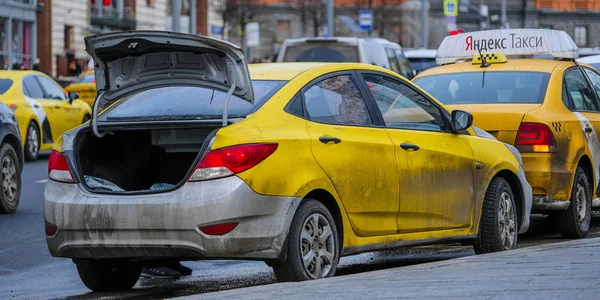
<point>461,120</point>
<point>73,96</point>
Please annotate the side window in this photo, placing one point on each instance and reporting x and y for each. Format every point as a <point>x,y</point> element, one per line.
<point>595,78</point>
<point>52,90</point>
<point>32,88</point>
<point>393,60</point>
<point>337,100</point>
<point>402,107</point>
<point>295,106</point>
<point>405,67</point>
<point>578,90</point>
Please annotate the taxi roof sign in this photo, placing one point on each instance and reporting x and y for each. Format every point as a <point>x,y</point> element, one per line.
<point>508,41</point>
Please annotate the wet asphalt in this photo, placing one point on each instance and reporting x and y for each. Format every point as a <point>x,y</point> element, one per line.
<point>27,271</point>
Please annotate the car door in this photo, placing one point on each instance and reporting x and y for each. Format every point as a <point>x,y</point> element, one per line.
<point>34,94</point>
<point>357,157</point>
<point>62,115</point>
<point>436,167</point>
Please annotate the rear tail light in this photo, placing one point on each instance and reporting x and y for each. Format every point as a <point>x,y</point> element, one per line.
<point>229,161</point>
<point>535,137</point>
<point>218,229</point>
<point>58,168</point>
<point>51,229</point>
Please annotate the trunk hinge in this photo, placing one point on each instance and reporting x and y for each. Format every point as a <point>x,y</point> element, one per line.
<point>95,115</point>
<point>229,93</point>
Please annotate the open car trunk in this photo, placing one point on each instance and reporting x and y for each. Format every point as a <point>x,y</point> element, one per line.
<point>139,160</point>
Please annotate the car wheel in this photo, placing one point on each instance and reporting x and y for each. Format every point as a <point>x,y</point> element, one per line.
<point>106,275</point>
<point>10,177</point>
<point>313,245</point>
<point>32,142</point>
<point>575,221</point>
<point>498,225</point>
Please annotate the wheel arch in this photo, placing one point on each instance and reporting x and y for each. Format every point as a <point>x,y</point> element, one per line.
<point>327,199</point>
<point>586,164</point>
<point>12,140</point>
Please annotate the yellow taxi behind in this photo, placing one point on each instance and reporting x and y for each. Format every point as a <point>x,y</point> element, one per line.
<point>43,109</point>
<point>547,107</point>
<point>85,87</point>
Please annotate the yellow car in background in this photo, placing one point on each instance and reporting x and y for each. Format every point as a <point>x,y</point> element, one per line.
<point>548,108</point>
<point>43,110</point>
<point>85,87</point>
<point>293,164</point>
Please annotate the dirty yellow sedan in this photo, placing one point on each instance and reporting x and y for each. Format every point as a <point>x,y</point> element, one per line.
<point>196,156</point>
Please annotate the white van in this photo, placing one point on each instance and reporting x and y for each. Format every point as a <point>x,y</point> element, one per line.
<point>375,51</point>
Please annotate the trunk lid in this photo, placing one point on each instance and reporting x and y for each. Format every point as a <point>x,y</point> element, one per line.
<point>127,62</point>
<point>500,120</point>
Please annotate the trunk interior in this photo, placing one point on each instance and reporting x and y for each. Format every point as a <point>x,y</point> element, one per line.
<point>138,160</point>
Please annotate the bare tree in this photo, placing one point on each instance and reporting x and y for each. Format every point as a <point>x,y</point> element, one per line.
<point>236,14</point>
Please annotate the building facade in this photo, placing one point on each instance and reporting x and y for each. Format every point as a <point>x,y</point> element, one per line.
<point>18,43</point>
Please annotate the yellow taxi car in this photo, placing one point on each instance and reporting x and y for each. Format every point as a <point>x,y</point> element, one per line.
<point>85,87</point>
<point>43,110</point>
<point>196,156</point>
<point>548,108</point>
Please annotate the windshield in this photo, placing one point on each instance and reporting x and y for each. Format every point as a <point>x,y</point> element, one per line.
<point>188,103</point>
<point>321,52</point>
<point>5,84</point>
<point>486,87</point>
<point>86,78</point>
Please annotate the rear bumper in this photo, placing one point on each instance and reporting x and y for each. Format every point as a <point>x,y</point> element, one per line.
<point>167,224</point>
<point>550,179</point>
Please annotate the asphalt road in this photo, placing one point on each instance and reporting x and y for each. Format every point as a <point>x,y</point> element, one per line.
<point>27,271</point>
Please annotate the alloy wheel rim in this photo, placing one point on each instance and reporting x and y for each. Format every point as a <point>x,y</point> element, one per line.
<point>506,221</point>
<point>581,203</point>
<point>9,179</point>
<point>317,246</point>
<point>32,138</point>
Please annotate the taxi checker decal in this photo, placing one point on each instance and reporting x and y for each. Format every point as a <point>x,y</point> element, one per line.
<point>38,110</point>
<point>593,144</point>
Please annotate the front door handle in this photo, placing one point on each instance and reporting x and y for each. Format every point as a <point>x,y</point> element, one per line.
<point>588,129</point>
<point>329,139</point>
<point>409,146</point>
<point>56,106</point>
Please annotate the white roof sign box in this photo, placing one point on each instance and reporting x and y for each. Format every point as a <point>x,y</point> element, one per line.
<point>508,41</point>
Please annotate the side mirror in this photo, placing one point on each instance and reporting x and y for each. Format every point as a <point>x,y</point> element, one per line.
<point>461,120</point>
<point>73,96</point>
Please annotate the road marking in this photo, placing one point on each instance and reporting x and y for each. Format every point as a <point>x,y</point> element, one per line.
<point>42,181</point>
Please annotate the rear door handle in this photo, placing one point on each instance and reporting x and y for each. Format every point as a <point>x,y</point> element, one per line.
<point>329,139</point>
<point>56,106</point>
<point>409,146</point>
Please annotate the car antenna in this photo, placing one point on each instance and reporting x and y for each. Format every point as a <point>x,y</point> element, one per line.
<point>484,63</point>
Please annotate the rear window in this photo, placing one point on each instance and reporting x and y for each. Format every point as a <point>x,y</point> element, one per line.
<point>321,52</point>
<point>486,87</point>
<point>5,84</point>
<point>188,103</point>
<point>422,63</point>
<point>86,78</point>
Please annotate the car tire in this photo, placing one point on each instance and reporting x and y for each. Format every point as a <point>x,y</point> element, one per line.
<point>303,239</point>
<point>498,228</point>
<point>109,276</point>
<point>32,142</point>
<point>10,179</point>
<point>575,221</point>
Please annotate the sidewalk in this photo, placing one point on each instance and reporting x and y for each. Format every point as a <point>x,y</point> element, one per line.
<point>568,270</point>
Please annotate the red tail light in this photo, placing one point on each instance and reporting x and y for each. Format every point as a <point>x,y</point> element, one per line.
<point>219,229</point>
<point>50,229</point>
<point>535,137</point>
<point>58,169</point>
<point>229,161</point>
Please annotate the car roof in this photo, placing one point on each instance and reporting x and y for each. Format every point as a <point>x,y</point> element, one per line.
<point>287,71</point>
<point>593,59</point>
<point>525,64</point>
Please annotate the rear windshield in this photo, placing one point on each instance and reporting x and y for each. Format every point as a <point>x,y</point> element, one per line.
<point>486,87</point>
<point>5,84</point>
<point>321,52</point>
<point>188,103</point>
<point>86,78</point>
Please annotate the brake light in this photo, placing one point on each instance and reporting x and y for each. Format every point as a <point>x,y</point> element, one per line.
<point>219,229</point>
<point>535,137</point>
<point>229,161</point>
<point>58,169</point>
<point>50,229</point>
